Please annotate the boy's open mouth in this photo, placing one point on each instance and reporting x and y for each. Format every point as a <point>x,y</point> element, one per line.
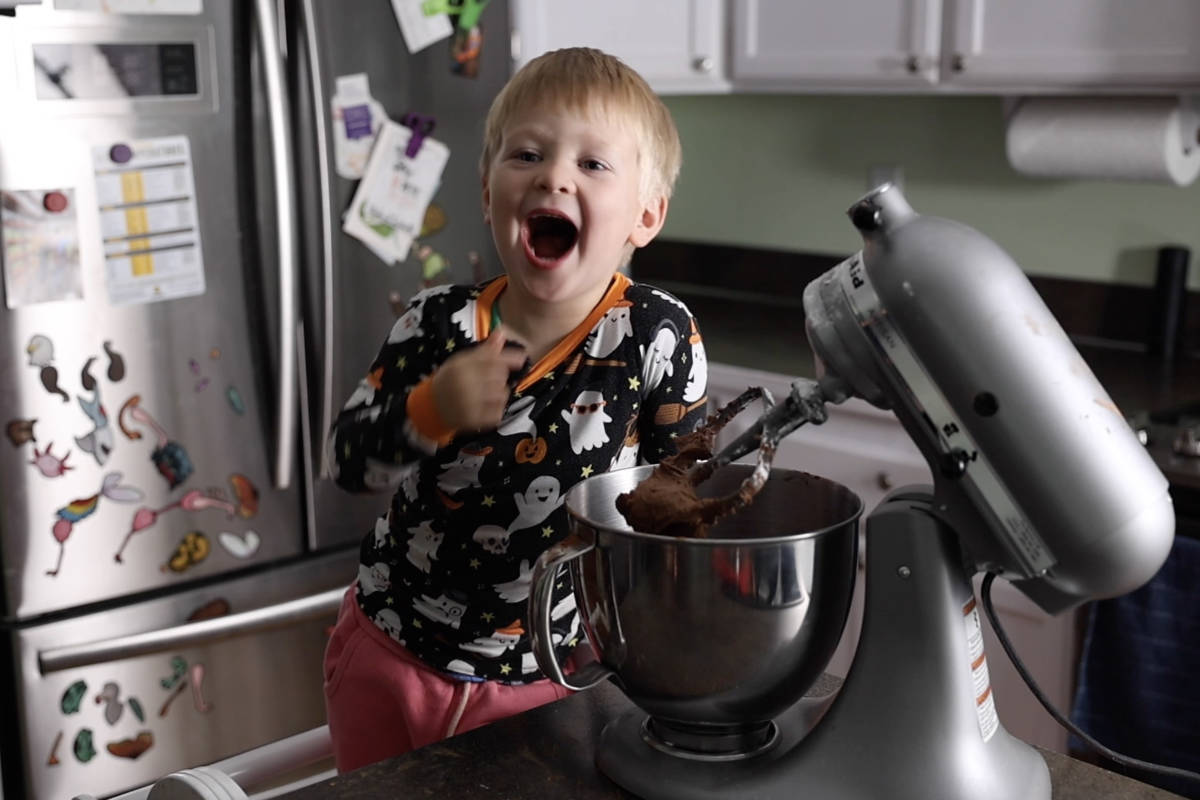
<point>548,238</point>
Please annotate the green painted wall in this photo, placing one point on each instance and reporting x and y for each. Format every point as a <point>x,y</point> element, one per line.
<point>778,171</point>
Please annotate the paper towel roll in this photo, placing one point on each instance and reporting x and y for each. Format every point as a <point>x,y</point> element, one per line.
<point>1135,138</point>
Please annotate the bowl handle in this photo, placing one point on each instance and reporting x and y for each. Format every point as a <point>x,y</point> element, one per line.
<point>545,569</point>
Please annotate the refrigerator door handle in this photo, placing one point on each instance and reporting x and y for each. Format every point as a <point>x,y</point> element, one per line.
<point>320,103</point>
<point>285,208</point>
<point>191,634</point>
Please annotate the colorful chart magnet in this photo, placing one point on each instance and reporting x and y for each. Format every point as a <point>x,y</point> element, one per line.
<point>40,247</point>
<point>148,220</point>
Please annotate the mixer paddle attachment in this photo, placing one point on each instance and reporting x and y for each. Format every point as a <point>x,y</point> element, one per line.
<point>667,502</point>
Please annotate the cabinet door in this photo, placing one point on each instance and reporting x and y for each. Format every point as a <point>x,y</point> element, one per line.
<point>678,46</point>
<point>1066,44</point>
<point>863,43</point>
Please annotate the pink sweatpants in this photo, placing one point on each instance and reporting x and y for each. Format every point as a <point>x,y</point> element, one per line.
<point>382,701</point>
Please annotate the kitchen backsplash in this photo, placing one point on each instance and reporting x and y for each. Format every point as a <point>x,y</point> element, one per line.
<point>766,286</point>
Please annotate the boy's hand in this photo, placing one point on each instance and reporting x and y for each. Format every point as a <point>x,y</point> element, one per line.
<point>472,388</point>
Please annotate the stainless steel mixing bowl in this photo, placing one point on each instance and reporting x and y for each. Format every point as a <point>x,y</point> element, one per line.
<point>722,631</point>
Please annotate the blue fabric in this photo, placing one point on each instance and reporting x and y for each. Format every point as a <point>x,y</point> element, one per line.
<point>1139,677</point>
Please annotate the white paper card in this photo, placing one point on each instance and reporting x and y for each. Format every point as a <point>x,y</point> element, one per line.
<point>420,30</point>
<point>133,6</point>
<point>389,204</point>
<point>356,120</point>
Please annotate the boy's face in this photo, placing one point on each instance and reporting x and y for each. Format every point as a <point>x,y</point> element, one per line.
<point>562,197</point>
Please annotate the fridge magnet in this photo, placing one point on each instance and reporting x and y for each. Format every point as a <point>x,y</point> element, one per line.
<point>195,500</point>
<point>217,607</point>
<point>196,679</point>
<point>402,175</point>
<point>169,457</point>
<point>50,465</point>
<point>99,442</point>
<point>72,698</point>
<point>20,431</point>
<point>419,27</point>
<point>433,221</point>
<point>433,264</point>
<point>40,247</point>
<point>193,549</point>
<point>246,493</point>
<point>131,748</point>
<point>41,354</point>
<point>179,687</point>
<point>239,546</point>
<point>202,383</point>
<point>116,363</point>
<point>465,48</point>
<point>83,748</point>
<point>476,262</point>
<point>81,509</point>
<point>52,761</point>
<point>235,400</point>
<point>149,223</point>
<point>356,120</point>
<point>110,697</point>
<point>178,670</point>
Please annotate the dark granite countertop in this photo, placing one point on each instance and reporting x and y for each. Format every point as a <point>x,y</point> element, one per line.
<point>547,753</point>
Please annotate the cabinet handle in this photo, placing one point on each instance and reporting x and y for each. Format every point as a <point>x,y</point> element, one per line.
<point>958,63</point>
<point>703,64</point>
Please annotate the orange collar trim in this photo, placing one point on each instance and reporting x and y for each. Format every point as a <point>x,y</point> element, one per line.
<point>558,353</point>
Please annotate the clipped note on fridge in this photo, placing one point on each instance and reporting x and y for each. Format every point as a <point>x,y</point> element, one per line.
<point>357,117</point>
<point>420,29</point>
<point>389,204</point>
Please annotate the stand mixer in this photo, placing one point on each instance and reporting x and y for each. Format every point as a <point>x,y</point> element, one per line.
<point>1037,478</point>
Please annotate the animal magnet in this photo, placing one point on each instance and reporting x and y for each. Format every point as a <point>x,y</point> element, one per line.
<point>20,431</point>
<point>82,508</point>
<point>41,354</point>
<point>100,441</point>
<point>169,457</point>
<point>49,464</point>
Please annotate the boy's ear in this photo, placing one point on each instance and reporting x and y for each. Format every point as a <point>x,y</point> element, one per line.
<point>650,222</point>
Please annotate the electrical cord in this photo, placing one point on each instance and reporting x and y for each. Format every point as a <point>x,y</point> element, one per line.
<point>1109,753</point>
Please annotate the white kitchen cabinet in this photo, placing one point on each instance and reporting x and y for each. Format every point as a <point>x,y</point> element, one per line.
<point>678,46</point>
<point>1073,43</point>
<point>865,449</point>
<point>994,46</point>
<point>894,43</point>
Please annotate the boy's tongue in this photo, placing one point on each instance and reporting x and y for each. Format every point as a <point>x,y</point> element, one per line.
<point>550,238</point>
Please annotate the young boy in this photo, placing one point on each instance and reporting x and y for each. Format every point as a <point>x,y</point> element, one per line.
<point>487,403</point>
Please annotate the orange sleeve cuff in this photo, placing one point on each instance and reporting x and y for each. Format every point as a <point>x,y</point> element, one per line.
<point>424,416</point>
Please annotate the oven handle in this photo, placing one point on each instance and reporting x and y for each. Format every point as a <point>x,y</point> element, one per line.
<point>270,47</point>
<point>320,104</point>
<point>191,634</point>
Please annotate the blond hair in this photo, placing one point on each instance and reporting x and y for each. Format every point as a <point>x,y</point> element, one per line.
<point>580,79</point>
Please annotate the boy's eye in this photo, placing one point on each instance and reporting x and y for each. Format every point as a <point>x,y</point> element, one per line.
<point>526,155</point>
<point>593,164</point>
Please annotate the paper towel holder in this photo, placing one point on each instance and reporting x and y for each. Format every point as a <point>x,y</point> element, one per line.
<point>1041,131</point>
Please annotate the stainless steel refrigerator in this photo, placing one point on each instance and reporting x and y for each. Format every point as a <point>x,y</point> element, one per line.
<point>183,316</point>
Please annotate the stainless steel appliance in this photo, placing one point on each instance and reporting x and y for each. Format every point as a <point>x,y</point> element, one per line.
<point>1037,478</point>
<point>182,315</point>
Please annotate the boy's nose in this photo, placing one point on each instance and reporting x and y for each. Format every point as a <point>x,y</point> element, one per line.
<point>556,176</point>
